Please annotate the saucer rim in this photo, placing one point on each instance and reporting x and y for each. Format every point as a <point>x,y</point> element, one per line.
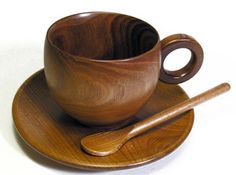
<point>99,166</point>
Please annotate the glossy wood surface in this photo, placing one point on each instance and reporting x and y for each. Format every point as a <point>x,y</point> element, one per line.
<point>98,63</point>
<point>174,42</point>
<point>52,133</point>
<point>111,141</point>
<point>95,68</point>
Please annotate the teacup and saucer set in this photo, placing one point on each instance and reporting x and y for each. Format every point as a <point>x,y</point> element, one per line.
<point>102,72</point>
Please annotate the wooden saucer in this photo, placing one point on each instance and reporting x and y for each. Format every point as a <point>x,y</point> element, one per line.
<point>48,130</point>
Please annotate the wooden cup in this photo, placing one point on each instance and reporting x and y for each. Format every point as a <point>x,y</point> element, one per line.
<point>101,67</point>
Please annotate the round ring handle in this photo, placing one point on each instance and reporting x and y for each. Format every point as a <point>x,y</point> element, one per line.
<point>172,43</point>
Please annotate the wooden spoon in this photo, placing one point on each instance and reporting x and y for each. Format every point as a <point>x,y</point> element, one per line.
<point>105,143</point>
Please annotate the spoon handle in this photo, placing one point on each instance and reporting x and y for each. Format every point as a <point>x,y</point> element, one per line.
<point>176,110</point>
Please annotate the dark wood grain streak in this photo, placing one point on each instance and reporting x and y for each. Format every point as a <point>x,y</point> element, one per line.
<point>52,133</point>
<point>104,36</point>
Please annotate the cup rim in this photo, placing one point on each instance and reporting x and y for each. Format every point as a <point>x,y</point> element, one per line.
<point>157,44</point>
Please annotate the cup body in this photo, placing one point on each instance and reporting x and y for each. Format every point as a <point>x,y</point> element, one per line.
<point>101,68</point>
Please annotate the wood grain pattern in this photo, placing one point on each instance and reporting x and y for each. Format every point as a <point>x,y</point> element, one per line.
<point>103,36</point>
<point>109,142</point>
<point>52,133</point>
<point>98,63</point>
<point>89,69</point>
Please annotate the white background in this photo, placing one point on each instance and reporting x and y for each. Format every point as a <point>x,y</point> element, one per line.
<point>210,147</point>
